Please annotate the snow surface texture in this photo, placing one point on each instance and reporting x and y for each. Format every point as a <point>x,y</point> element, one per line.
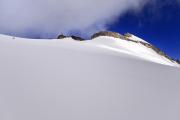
<point>100,79</point>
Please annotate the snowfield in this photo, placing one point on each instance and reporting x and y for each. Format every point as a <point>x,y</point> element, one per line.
<point>101,79</point>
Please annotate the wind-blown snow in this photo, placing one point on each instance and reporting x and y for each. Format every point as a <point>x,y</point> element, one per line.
<point>100,79</point>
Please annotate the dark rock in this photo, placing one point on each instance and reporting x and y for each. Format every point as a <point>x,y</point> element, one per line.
<point>61,36</point>
<point>73,37</point>
<point>107,33</point>
<point>178,61</point>
<point>157,50</point>
<point>77,38</point>
<point>127,35</point>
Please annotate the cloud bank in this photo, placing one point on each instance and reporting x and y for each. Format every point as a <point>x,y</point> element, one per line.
<point>51,17</point>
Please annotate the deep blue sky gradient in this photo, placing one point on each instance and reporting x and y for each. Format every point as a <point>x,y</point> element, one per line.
<point>157,23</point>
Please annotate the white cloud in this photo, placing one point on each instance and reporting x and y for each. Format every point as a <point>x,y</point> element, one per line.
<point>50,17</point>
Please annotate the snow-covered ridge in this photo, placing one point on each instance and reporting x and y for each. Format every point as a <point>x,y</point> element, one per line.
<point>133,38</point>
<point>114,43</point>
<point>105,78</point>
<point>136,41</point>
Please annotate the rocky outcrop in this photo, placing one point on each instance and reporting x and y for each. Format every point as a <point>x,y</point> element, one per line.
<point>127,35</point>
<point>107,33</point>
<point>73,37</point>
<point>178,61</point>
<point>77,38</point>
<point>113,34</point>
<point>61,36</point>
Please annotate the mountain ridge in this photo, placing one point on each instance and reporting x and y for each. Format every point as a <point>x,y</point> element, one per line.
<point>127,43</point>
<point>128,37</point>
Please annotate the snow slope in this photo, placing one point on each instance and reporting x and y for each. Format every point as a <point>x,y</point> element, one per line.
<point>100,79</point>
<point>133,37</point>
<point>133,49</point>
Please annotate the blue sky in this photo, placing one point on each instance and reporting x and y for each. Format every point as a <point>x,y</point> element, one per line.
<point>157,23</point>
